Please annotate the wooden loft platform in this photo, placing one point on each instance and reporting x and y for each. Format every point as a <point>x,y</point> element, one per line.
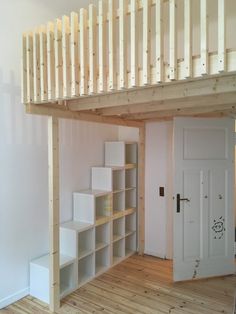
<point>85,66</point>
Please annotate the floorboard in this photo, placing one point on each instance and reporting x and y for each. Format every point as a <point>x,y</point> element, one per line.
<point>141,285</point>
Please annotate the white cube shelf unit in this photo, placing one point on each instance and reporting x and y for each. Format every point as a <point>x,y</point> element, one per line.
<point>39,277</point>
<point>103,230</point>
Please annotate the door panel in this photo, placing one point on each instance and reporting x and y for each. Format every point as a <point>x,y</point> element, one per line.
<point>203,169</point>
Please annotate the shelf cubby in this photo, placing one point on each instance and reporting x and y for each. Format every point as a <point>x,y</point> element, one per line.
<point>102,260</point>
<point>85,269</point>
<point>130,244</point>
<point>120,153</point>
<point>67,279</point>
<point>103,207</point>
<point>118,202</point>
<point>130,153</point>
<point>130,178</point>
<point>130,224</point>
<point>118,180</point>
<point>130,198</point>
<point>118,251</point>
<point>118,228</point>
<point>85,243</point>
<point>102,235</point>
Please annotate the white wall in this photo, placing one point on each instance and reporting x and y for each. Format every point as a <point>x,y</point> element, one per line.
<point>23,153</point>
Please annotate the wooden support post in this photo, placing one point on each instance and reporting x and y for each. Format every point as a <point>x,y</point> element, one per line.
<point>36,66</point>
<point>159,61</point>
<point>173,41</point>
<point>141,190</point>
<point>102,45</point>
<point>53,181</point>
<point>50,61</point>
<point>92,49</point>
<point>43,63</point>
<point>133,44</point>
<point>146,42</point>
<point>66,62</point>
<point>58,59</point>
<point>221,36</point>
<point>29,67</point>
<point>188,38</point>
<point>204,37</point>
<point>111,50</point>
<point>123,43</point>
<point>74,54</point>
<point>23,70</point>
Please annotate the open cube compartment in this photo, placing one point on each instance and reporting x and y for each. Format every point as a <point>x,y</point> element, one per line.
<point>85,269</point>
<point>130,244</point>
<point>118,228</point>
<point>118,201</point>
<point>67,279</point>
<point>130,153</point>
<point>118,179</point>
<point>130,178</point>
<point>118,250</point>
<point>130,198</point>
<point>130,224</point>
<point>102,259</point>
<point>103,206</point>
<point>102,235</point>
<point>85,243</point>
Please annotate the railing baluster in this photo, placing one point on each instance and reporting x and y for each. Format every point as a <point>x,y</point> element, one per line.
<point>50,61</point>
<point>133,44</point>
<point>23,70</point>
<point>36,66</point>
<point>159,60</point>
<point>204,36</point>
<point>29,67</point>
<point>83,53</point>
<point>188,38</point>
<point>92,49</point>
<point>43,63</point>
<point>58,59</point>
<point>221,36</point>
<point>122,44</point>
<point>66,63</point>
<point>102,45</point>
<point>74,54</point>
<point>173,41</point>
<point>146,42</point>
<point>111,52</point>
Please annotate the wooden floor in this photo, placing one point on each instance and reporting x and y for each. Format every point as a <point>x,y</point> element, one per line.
<point>142,285</point>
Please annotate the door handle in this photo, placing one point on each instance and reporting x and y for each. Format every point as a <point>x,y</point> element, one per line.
<point>178,199</point>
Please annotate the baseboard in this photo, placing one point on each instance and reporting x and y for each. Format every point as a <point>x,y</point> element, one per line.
<point>156,254</point>
<point>14,297</point>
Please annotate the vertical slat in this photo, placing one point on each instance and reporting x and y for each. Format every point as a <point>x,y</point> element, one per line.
<point>221,36</point>
<point>66,56</point>
<point>204,37</point>
<point>111,50</point>
<point>146,42</point>
<point>36,66</point>
<point>122,44</point>
<point>102,45</point>
<point>83,53</point>
<point>188,38</point>
<point>159,42</point>
<point>74,52</point>
<point>51,61</point>
<point>53,184</point>
<point>43,63</point>
<point>92,49</point>
<point>141,190</point>
<point>173,42</point>
<point>23,70</point>
<point>133,44</point>
<point>29,67</point>
<point>58,59</point>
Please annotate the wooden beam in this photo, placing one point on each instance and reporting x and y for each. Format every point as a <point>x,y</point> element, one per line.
<point>221,36</point>
<point>60,111</point>
<point>43,64</point>
<point>74,53</point>
<point>159,62</point>
<point>204,37</point>
<point>50,61</point>
<point>133,44</point>
<point>53,181</point>
<point>173,40</point>
<point>83,53</point>
<point>92,49</point>
<point>159,93</point>
<point>102,46</point>
<point>111,46</point>
<point>141,190</point>
<point>188,38</point>
<point>122,44</point>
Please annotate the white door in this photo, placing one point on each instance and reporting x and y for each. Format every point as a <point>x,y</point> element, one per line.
<point>203,202</point>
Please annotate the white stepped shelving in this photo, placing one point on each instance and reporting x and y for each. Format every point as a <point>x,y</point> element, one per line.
<point>103,230</point>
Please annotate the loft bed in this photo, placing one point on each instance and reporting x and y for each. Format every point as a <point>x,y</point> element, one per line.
<point>119,65</point>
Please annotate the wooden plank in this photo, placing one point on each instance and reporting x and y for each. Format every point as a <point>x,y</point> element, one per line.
<point>50,61</point>
<point>83,53</point>
<point>159,60</point>
<point>141,190</point>
<point>188,38</point>
<point>29,68</point>
<point>221,36</point>
<point>54,220</point>
<point>43,63</point>
<point>66,62</point>
<point>102,46</point>
<point>204,37</point>
<point>122,44</point>
<point>172,40</point>
<point>61,112</point>
<point>111,46</point>
<point>133,44</point>
<point>92,49</point>
<point>36,66</point>
<point>58,59</point>
<point>74,53</point>
<point>23,70</point>
<point>146,42</point>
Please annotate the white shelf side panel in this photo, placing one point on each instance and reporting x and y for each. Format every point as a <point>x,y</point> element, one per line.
<point>102,178</point>
<point>114,154</point>
<point>83,207</point>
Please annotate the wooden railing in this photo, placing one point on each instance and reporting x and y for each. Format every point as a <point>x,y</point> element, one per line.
<point>118,46</point>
